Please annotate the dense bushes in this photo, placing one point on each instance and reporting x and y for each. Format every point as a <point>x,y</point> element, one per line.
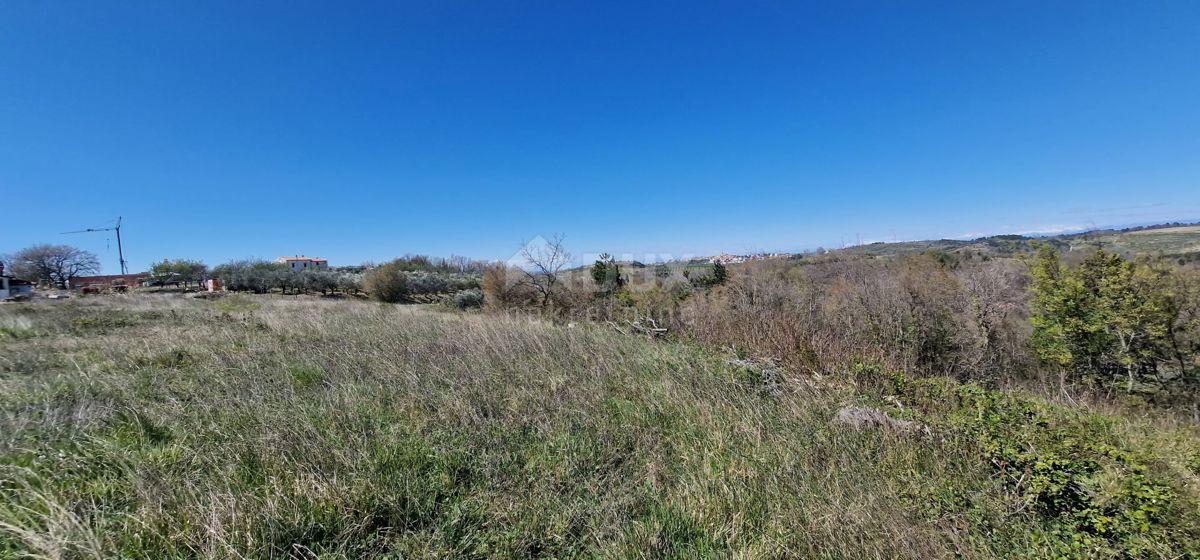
<point>715,277</point>
<point>1097,494</point>
<point>919,313</point>
<point>398,281</point>
<point>961,315</point>
<point>453,264</point>
<point>504,288</point>
<point>939,314</point>
<point>911,314</point>
<point>467,299</point>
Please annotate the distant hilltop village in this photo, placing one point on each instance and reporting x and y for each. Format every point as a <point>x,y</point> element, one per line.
<point>726,258</point>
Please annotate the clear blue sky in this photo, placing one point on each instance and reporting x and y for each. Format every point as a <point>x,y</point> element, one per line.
<point>359,131</point>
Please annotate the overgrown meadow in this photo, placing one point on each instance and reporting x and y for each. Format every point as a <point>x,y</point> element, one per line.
<point>260,426</point>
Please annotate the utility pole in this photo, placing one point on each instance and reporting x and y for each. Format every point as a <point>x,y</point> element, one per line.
<point>120,249</point>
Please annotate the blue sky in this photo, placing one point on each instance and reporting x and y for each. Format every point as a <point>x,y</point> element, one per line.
<point>360,131</point>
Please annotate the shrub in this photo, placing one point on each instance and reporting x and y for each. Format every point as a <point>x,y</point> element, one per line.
<point>606,274</point>
<point>908,313</point>
<point>502,287</point>
<point>386,283</point>
<point>717,276</point>
<point>467,298</point>
<point>1098,495</point>
<point>432,283</point>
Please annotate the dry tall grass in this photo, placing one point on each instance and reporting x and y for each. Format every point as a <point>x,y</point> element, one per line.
<point>261,427</point>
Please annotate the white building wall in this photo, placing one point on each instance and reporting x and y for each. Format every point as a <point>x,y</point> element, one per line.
<point>302,265</point>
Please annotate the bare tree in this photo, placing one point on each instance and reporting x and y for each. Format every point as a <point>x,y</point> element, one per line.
<point>545,265</point>
<point>54,265</point>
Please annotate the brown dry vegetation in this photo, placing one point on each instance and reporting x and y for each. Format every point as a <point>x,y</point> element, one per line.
<point>960,316</point>
<point>907,314</point>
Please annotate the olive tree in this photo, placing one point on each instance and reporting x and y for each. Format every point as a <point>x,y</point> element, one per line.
<point>178,271</point>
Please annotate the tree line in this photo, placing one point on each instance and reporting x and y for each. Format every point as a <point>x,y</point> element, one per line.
<point>403,278</point>
<point>261,276</point>
<point>1098,319</point>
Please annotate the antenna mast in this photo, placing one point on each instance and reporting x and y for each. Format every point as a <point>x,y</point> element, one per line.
<point>120,249</point>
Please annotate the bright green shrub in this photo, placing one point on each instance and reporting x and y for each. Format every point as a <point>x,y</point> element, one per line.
<point>1095,494</point>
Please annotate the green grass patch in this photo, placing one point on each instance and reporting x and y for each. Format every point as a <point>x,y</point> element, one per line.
<point>102,323</point>
<point>17,333</point>
<point>306,375</point>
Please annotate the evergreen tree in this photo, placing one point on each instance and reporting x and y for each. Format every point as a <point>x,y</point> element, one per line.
<point>719,274</point>
<point>606,273</point>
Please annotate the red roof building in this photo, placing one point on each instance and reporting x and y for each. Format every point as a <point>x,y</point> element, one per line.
<point>302,262</point>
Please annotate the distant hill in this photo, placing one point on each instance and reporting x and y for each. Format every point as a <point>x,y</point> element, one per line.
<point>1174,241</point>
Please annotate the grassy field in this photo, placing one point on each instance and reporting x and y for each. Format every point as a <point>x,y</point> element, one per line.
<point>1169,230</point>
<point>1169,241</point>
<point>273,427</point>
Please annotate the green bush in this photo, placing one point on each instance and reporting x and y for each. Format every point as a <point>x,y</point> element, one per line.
<point>717,276</point>
<point>606,274</point>
<point>1109,318</point>
<point>1095,495</point>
